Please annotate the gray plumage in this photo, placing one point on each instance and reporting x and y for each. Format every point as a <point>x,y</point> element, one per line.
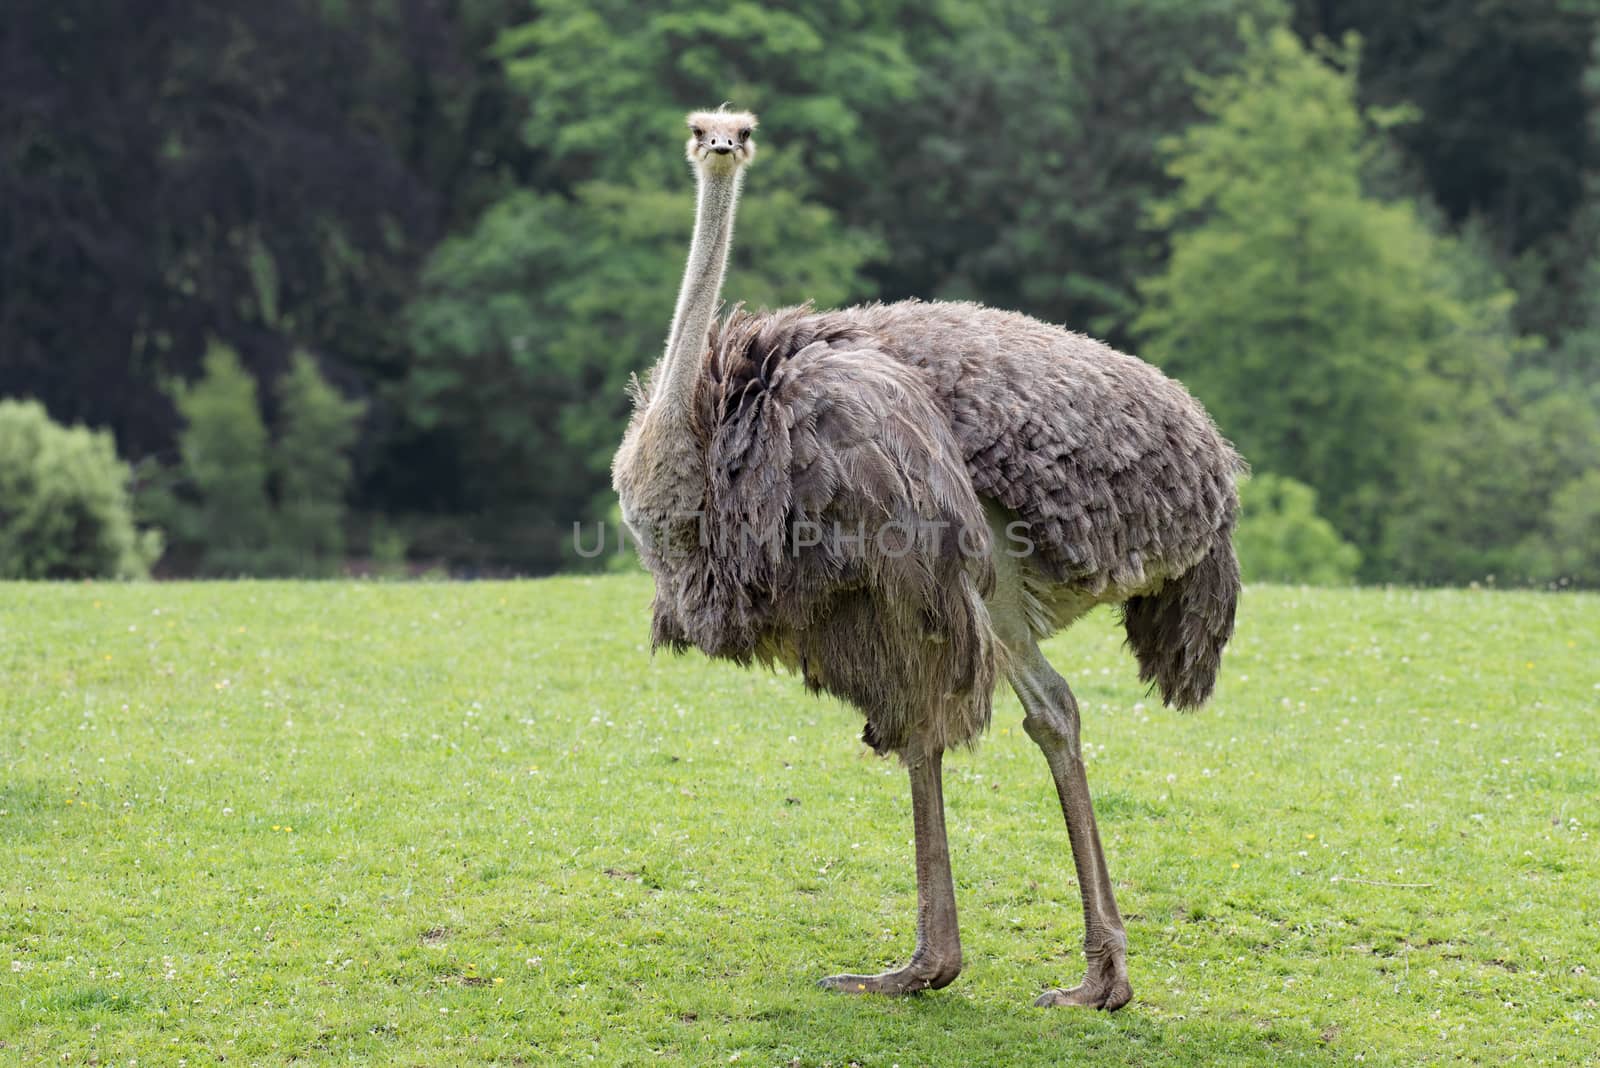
<point>917,414</point>
<point>899,502</point>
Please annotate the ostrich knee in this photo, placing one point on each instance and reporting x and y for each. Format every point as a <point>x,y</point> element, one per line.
<point>1052,722</point>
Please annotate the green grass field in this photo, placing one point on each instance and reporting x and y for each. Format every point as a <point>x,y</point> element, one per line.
<point>470,824</point>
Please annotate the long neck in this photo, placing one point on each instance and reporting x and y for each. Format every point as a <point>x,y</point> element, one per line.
<point>701,289</point>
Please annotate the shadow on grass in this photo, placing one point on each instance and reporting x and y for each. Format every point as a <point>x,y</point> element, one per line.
<point>943,1028</point>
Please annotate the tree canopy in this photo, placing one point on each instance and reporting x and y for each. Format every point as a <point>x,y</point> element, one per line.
<point>1373,259</point>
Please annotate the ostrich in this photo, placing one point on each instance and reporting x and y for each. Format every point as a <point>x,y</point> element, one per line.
<point>898,502</point>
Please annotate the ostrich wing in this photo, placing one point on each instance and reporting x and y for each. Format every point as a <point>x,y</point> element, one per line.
<point>841,533</point>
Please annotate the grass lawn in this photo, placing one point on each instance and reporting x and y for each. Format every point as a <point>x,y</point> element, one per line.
<point>468,824</point>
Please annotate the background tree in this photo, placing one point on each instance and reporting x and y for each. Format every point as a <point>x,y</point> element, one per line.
<point>312,467</point>
<point>1500,436</point>
<point>1566,551</point>
<point>461,207</point>
<point>1503,90</point>
<point>225,462</point>
<point>1343,343</point>
<point>269,175</point>
<point>1022,170</point>
<point>1297,308</point>
<point>528,327</point>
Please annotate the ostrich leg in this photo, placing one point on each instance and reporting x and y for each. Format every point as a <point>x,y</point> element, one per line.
<point>1052,722</point>
<point>937,958</point>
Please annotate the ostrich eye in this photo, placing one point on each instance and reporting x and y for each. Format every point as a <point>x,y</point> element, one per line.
<point>699,134</point>
<point>744,134</point>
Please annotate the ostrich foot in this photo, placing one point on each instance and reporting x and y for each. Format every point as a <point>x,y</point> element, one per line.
<point>914,977</point>
<point>1107,996</point>
<point>1106,984</point>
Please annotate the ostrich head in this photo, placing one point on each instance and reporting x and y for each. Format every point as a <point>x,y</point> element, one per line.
<point>719,141</point>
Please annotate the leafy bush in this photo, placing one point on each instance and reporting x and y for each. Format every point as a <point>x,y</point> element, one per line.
<point>65,510</point>
<point>1281,538</point>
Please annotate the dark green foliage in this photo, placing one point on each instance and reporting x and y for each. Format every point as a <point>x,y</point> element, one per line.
<point>528,327</point>
<point>267,174</point>
<point>1501,493</point>
<point>65,511</point>
<point>475,212</point>
<point>1502,89</point>
<point>616,113</point>
<point>1022,174</point>
<point>248,504</point>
